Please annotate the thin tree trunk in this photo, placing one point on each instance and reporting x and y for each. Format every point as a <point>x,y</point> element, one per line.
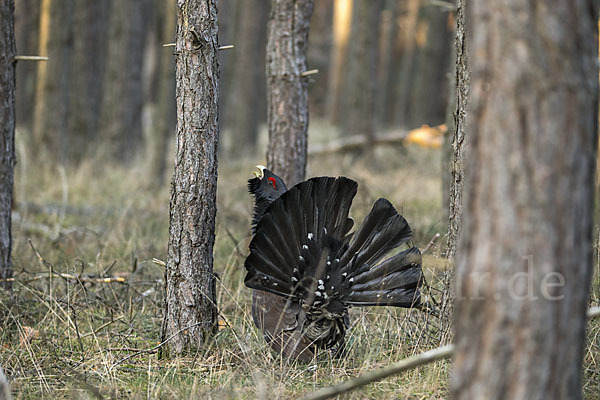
<point>27,17</point>
<point>165,110</point>
<point>248,91</point>
<point>7,133</point>
<point>342,24</point>
<point>456,131</point>
<point>525,254</point>
<point>360,83</point>
<point>287,99</point>
<point>190,301</point>
<point>52,104</point>
<point>91,23</point>
<point>121,125</point>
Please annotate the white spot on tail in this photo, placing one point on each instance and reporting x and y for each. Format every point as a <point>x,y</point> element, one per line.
<point>321,287</point>
<point>304,247</point>
<point>351,280</point>
<point>318,294</point>
<point>320,282</point>
<point>310,236</point>
<point>294,279</point>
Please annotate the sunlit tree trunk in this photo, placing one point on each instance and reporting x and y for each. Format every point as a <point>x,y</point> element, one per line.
<point>190,301</point>
<point>53,100</point>
<point>287,97</point>
<point>342,23</point>
<point>360,78</point>
<point>524,260</point>
<point>7,134</point>
<point>454,170</point>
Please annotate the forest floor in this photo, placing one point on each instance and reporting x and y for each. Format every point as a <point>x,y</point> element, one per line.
<point>77,336</point>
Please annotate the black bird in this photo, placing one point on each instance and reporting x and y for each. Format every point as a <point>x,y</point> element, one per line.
<point>307,269</point>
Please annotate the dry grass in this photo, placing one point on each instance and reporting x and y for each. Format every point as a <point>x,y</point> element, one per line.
<point>67,338</point>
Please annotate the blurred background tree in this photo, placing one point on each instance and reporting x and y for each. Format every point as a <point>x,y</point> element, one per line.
<point>108,86</point>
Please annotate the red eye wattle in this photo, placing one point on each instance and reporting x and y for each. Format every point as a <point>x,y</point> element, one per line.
<point>272,182</point>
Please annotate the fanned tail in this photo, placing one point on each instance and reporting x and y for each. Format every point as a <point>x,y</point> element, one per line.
<point>302,250</point>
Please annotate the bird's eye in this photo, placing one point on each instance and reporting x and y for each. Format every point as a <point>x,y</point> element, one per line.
<point>272,182</point>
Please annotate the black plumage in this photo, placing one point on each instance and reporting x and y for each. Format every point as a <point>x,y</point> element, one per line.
<point>307,269</point>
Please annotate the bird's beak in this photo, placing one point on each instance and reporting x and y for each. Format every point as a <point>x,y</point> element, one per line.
<point>261,171</point>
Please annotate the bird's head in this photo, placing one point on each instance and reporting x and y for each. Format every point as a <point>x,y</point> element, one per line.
<point>266,187</point>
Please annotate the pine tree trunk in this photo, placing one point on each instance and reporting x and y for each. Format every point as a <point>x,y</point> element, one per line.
<point>456,131</point>
<point>52,104</point>
<point>248,91</point>
<point>287,99</point>
<point>121,125</point>
<point>91,23</point>
<point>525,254</point>
<point>190,301</point>
<point>7,134</point>
<point>27,17</point>
<point>360,83</point>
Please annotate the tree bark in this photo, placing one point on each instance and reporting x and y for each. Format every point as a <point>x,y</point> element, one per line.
<point>287,99</point>
<point>360,83</point>
<point>456,131</point>
<point>525,253</point>
<point>247,94</point>
<point>121,125</point>
<point>52,103</point>
<point>91,24</point>
<point>190,301</point>
<point>7,134</point>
